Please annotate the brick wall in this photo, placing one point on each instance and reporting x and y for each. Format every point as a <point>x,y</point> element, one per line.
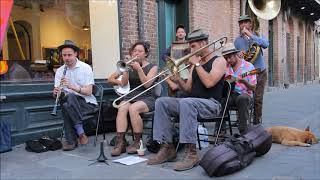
<point>217,17</point>
<point>129,25</point>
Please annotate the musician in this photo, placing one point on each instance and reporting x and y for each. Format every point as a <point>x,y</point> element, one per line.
<point>204,85</point>
<point>180,38</point>
<point>142,71</point>
<point>243,42</point>
<point>79,100</point>
<point>242,94</point>
<point>177,49</point>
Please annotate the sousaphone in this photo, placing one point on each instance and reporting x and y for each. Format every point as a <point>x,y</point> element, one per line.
<point>264,9</point>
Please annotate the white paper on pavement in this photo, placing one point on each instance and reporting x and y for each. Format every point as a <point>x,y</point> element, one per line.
<point>130,160</point>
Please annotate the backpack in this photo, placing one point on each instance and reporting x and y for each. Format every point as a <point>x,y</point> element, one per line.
<point>5,137</point>
<point>43,144</point>
<point>260,139</point>
<point>227,157</point>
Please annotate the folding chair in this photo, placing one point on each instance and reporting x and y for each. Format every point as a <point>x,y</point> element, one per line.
<point>224,115</point>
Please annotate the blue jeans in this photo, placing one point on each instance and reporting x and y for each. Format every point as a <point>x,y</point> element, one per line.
<point>73,109</point>
<point>188,110</point>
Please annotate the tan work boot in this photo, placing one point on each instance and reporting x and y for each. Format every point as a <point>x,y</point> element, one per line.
<point>190,160</point>
<point>166,153</point>
<point>120,146</point>
<point>132,149</point>
<point>68,147</point>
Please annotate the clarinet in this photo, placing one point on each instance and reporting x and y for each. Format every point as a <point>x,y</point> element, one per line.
<point>54,111</point>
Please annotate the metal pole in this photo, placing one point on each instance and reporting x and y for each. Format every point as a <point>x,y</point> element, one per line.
<point>17,40</point>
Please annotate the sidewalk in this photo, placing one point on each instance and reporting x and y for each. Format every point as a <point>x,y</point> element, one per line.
<point>295,107</point>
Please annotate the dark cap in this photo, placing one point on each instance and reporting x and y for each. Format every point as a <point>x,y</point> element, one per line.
<point>244,18</point>
<point>229,49</point>
<point>197,35</point>
<point>69,44</point>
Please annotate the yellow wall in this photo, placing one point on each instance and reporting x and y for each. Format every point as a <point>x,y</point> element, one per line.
<point>104,37</point>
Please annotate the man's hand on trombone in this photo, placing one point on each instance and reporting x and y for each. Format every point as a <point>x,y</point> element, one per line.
<point>194,59</point>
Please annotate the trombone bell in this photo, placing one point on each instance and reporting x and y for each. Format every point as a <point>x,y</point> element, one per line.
<point>173,64</point>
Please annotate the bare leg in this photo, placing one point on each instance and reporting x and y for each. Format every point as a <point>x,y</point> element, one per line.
<point>134,110</point>
<point>122,120</point>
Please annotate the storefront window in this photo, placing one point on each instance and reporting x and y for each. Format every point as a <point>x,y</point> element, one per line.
<point>29,50</point>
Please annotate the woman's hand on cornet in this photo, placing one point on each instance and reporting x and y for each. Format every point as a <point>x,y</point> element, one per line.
<point>135,65</point>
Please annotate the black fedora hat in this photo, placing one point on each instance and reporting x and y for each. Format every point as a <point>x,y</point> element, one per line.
<point>69,44</point>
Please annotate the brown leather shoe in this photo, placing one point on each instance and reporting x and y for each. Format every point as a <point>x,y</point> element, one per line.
<point>190,160</point>
<point>132,149</point>
<point>68,147</point>
<point>166,153</point>
<point>83,139</point>
<point>120,146</point>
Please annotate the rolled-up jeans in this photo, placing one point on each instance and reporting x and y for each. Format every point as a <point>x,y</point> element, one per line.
<point>188,110</point>
<point>73,109</point>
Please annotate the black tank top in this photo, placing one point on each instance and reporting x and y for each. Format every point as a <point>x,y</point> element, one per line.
<point>199,90</point>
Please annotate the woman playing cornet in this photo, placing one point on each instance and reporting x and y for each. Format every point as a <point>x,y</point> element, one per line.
<point>141,71</point>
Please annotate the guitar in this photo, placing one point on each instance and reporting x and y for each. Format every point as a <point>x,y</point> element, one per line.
<point>121,90</point>
<point>232,79</point>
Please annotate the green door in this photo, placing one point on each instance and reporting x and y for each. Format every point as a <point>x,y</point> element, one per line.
<point>170,14</point>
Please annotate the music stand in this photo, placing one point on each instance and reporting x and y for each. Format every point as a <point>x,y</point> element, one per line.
<point>101,157</point>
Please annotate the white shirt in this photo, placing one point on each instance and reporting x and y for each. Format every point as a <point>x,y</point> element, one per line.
<point>80,75</point>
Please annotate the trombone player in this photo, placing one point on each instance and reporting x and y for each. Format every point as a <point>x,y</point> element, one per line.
<point>243,42</point>
<point>204,87</point>
<point>142,71</point>
<point>76,80</point>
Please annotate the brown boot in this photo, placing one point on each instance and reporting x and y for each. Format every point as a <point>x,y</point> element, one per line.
<point>190,160</point>
<point>68,147</point>
<point>120,146</point>
<point>166,153</point>
<point>132,149</point>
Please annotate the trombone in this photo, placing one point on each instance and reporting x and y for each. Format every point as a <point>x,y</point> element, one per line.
<point>173,66</point>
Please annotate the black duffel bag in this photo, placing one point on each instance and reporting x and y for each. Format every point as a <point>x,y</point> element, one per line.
<point>260,139</point>
<point>228,157</point>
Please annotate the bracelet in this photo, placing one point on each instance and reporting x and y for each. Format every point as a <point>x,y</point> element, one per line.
<point>79,90</point>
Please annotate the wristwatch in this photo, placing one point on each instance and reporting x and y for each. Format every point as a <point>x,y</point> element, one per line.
<point>197,64</point>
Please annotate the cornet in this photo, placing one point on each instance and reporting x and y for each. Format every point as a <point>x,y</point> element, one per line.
<point>122,66</point>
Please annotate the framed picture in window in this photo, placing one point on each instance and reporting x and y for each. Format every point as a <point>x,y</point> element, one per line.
<point>52,55</point>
